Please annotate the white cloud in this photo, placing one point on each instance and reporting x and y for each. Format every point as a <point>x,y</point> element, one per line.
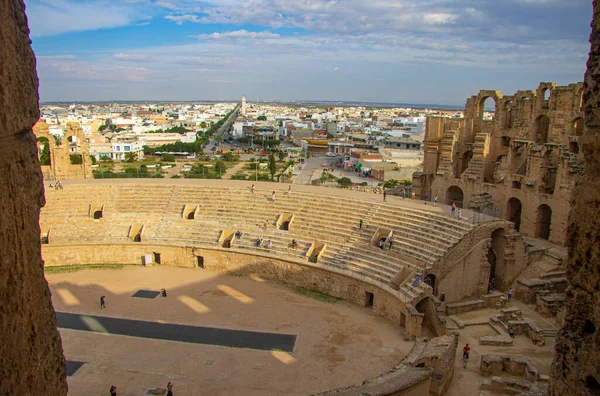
<point>53,17</point>
<point>180,19</point>
<point>134,57</point>
<point>237,34</point>
<point>54,57</point>
<point>439,19</point>
<point>165,4</point>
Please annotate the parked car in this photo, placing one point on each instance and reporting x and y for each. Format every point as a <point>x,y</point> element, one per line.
<point>330,154</point>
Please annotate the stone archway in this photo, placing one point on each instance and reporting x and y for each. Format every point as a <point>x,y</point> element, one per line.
<point>513,212</point>
<point>542,129</point>
<point>577,126</point>
<point>455,194</point>
<point>464,162</point>
<point>543,222</point>
<point>495,257</point>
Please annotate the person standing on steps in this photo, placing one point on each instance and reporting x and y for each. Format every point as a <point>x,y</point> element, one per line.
<point>273,196</point>
<point>384,195</point>
<point>453,208</point>
<point>102,303</point>
<point>391,240</point>
<point>459,213</point>
<point>381,244</point>
<point>510,294</point>
<point>360,223</point>
<point>252,189</point>
<point>289,191</point>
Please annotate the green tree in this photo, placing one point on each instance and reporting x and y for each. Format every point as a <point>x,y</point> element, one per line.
<point>220,167</point>
<point>203,124</point>
<point>261,118</point>
<point>345,182</point>
<point>101,128</point>
<point>93,159</point>
<point>168,158</point>
<point>105,158</point>
<point>391,183</point>
<point>45,154</point>
<point>76,159</point>
<point>130,157</point>
<point>272,166</point>
<point>219,139</point>
<point>281,155</point>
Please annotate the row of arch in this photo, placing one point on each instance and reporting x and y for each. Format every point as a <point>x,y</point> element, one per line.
<point>514,208</point>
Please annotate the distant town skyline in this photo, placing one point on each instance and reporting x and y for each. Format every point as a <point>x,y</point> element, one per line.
<point>411,51</point>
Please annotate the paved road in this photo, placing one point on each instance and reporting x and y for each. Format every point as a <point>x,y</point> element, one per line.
<point>224,128</point>
<point>175,332</point>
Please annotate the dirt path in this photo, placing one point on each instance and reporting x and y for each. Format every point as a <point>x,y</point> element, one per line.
<point>233,170</point>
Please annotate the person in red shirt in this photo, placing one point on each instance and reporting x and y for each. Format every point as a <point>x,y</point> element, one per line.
<point>466,350</point>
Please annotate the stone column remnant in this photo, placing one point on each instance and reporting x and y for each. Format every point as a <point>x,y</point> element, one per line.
<point>576,366</point>
<point>31,356</point>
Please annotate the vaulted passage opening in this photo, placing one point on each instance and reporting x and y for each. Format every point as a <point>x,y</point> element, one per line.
<point>495,256</point>
<point>513,212</point>
<point>577,127</point>
<point>542,129</point>
<point>464,162</point>
<point>487,105</point>
<point>543,222</point>
<point>455,195</point>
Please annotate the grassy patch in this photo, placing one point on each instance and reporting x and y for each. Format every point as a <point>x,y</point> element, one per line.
<point>314,294</point>
<point>64,269</point>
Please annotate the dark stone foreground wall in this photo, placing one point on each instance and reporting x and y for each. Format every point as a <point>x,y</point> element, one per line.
<point>576,367</point>
<point>31,358</point>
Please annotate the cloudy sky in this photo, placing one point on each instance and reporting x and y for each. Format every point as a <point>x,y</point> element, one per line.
<point>405,51</point>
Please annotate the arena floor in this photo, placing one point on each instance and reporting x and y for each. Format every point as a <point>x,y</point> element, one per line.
<point>337,344</point>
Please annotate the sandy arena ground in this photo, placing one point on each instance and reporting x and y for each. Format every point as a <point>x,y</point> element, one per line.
<point>338,344</point>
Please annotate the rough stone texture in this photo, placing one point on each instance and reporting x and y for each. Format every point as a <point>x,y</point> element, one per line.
<point>575,370</point>
<point>31,359</point>
<point>517,165</point>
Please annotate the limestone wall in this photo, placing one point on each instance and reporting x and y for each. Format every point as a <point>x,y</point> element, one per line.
<point>31,359</point>
<point>385,302</point>
<point>575,367</point>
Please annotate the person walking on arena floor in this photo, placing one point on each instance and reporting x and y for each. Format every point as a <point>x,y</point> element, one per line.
<point>403,193</point>
<point>113,390</point>
<point>384,195</point>
<point>426,197</point>
<point>360,223</point>
<point>413,196</point>
<point>102,303</point>
<point>435,199</point>
<point>170,389</point>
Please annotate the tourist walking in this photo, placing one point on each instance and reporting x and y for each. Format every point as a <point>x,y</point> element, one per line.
<point>510,294</point>
<point>413,196</point>
<point>511,332</point>
<point>273,196</point>
<point>113,390</point>
<point>426,197</point>
<point>466,351</point>
<point>459,213</point>
<point>360,223</point>
<point>384,195</point>
<point>403,193</point>
<point>435,199</point>
<point>238,235</point>
<point>453,208</point>
<point>170,389</point>
<point>252,189</point>
<point>381,244</point>
<point>391,241</point>
<point>102,303</point>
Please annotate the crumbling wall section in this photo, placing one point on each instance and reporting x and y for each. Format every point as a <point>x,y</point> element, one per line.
<point>575,367</point>
<point>31,359</point>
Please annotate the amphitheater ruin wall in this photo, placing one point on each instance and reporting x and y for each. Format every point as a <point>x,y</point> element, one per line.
<point>521,164</point>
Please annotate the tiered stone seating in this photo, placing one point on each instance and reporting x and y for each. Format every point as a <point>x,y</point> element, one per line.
<point>422,237</point>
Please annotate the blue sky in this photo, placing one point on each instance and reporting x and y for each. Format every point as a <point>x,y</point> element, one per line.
<point>411,51</point>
